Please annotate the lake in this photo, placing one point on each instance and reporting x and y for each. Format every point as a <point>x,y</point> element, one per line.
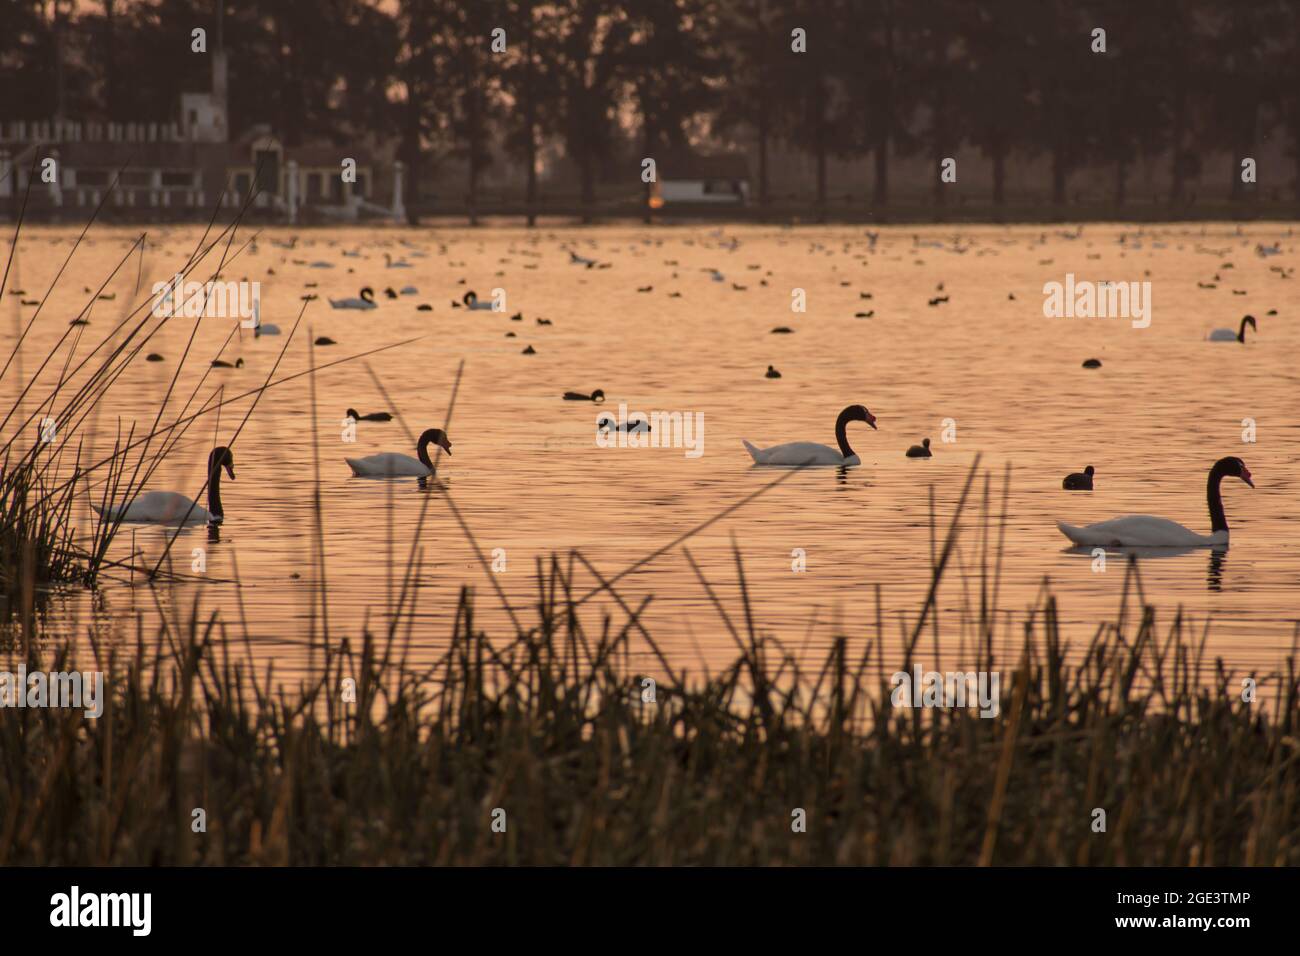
<point>940,331</point>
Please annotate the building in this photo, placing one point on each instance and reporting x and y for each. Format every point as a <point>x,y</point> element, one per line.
<point>692,178</point>
<point>179,169</point>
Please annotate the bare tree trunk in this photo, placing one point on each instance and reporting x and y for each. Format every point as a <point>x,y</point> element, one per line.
<point>530,121</point>
<point>999,172</point>
<point>1058,175</point>
<point>588,186</point>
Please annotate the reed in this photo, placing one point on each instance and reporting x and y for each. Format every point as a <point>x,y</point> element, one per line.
<point>550,726</point>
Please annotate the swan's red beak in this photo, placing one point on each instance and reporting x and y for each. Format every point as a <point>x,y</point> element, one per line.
<point>445,445</point>
<point>871,420</point>
<point>231,472</point>
<point>1245,476</point>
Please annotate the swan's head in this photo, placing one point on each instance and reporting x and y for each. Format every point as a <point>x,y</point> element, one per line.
<point>221,458</point>
<point>860,413</point>
<point>598,395</point>
<point>470,297</point>
<point>368,294</point>
<point>436,436</point>
<point>1237,467</point>
<point>352,414</point>
<point>1249,320</point>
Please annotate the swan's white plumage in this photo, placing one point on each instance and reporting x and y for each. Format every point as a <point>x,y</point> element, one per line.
<point>388,465</point>
<point>1139,531</point>
<point>1222,335</point>
<point>799,453</point>
<point>157,507</point>
<point>352,304</point>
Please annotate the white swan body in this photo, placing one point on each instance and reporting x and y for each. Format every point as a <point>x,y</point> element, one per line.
<point>388,465</point>
<point>266,329</point>
<point>810,453</point>
<point>799,453</point>
<point>365,301</point>
<point>169,507</point>
<point>1139,531</point>
<point>1148,531</point>
<point>1222,335</point>
<point>157,507</point>
<point>394,465</point>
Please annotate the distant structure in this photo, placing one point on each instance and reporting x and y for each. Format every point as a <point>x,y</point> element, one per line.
<point>690,178</point>
<point>179,169</point>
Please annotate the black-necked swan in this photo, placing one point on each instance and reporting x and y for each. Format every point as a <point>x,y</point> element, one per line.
<point>1079,480</point>
<point>1227,335</point>
<point>471,301</point>
<point>392,263</point>
<point>170,507</point>
<point>372,417</point>
<point>1145,531</point>
<point>597,396</point>
<point>811,453</point>
<point>222,363</point>
<point>366,301</point>
<point>920,451</point>
<point>392,465</point>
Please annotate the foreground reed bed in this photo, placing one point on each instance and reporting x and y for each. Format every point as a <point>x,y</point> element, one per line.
<point>551,727</point>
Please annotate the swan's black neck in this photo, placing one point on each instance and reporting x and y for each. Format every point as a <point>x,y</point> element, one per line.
<point>842,433</point>
<point>424,453</point>
<point>214,485</point>
<point>1218,520</point>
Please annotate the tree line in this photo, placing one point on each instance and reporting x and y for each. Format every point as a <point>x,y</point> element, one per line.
<point>597,81</point>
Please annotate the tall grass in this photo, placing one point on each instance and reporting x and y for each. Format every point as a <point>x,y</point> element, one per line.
<point>549,725</point>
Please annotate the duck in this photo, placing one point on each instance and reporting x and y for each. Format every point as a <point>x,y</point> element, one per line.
<point>811,453</point>
<point>607,422</point>
<point>1227,335</point>
<point>597,396</point>
<point>324,340</point>
<point>173,508</point>
<point>920,451</point>
<point>365,301</point>
<point>1147,531</point>
<point>394,465</point>
<point>772,373</point>
<point>1092,363</point>
<point>372,417</point>
<point>1079,480</point>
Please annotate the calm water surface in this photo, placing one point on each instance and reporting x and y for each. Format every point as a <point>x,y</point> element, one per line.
<point>528,477</point>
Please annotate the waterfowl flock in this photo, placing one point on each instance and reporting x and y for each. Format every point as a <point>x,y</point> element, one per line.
<point>1127,531</point>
